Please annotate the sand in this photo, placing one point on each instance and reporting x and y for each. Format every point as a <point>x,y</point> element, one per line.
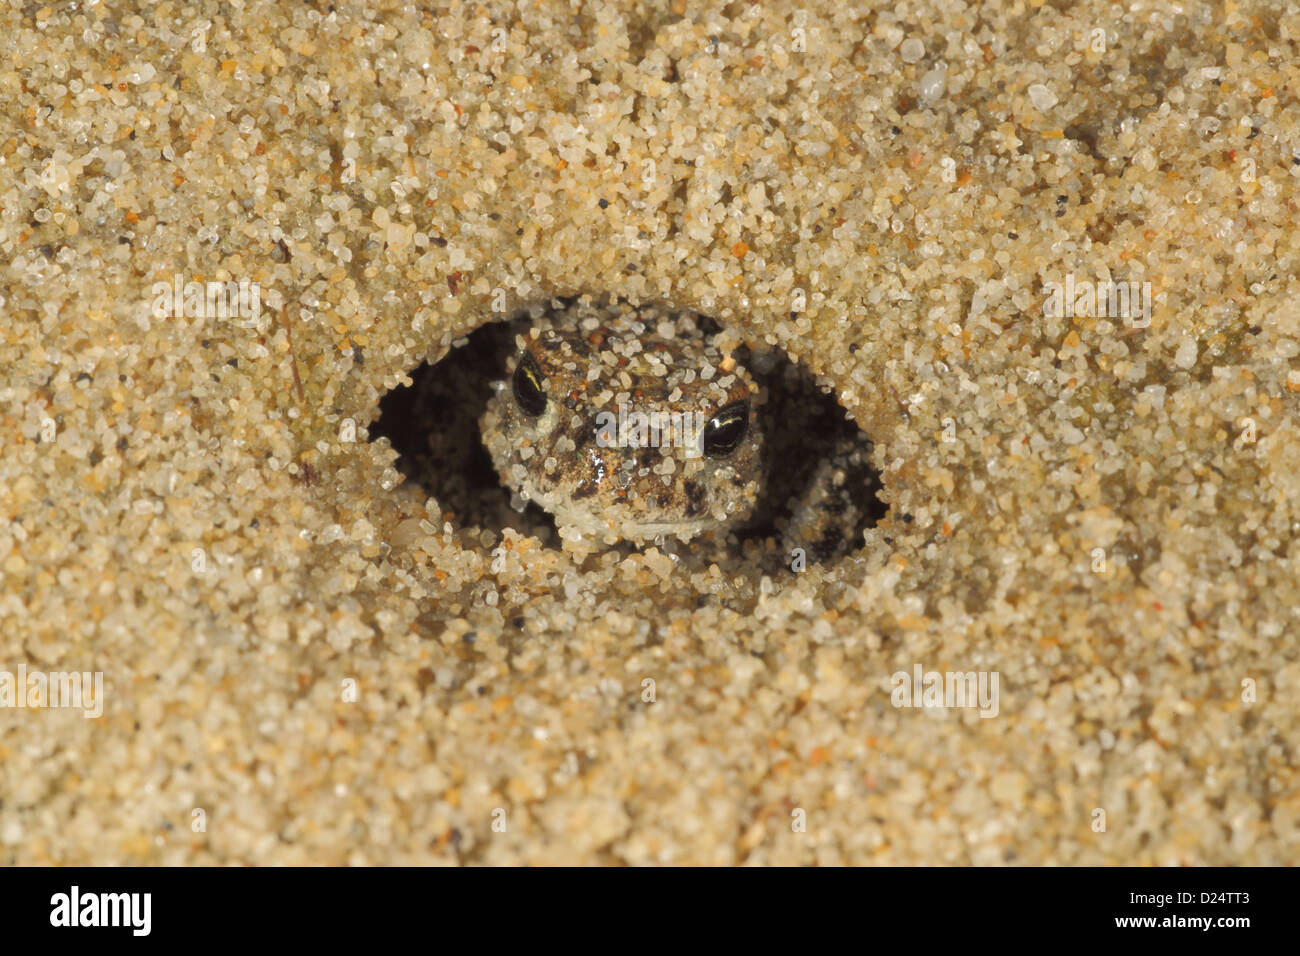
<point>306,659</point>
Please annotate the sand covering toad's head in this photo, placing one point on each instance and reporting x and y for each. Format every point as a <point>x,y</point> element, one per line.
<point>626,424</point>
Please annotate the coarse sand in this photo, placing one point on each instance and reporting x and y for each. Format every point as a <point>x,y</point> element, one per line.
<point>938,209</point>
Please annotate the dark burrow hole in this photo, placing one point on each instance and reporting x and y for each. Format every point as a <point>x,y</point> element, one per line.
<point>433,424</point>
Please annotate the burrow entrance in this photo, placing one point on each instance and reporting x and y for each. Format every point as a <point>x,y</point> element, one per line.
<point>433,424</point>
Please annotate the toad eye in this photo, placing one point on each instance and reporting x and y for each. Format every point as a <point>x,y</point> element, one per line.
<point>527,386</point>
<point>726,430</point>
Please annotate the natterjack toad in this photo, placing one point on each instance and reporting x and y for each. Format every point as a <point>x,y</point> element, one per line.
<point>626,424</point>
